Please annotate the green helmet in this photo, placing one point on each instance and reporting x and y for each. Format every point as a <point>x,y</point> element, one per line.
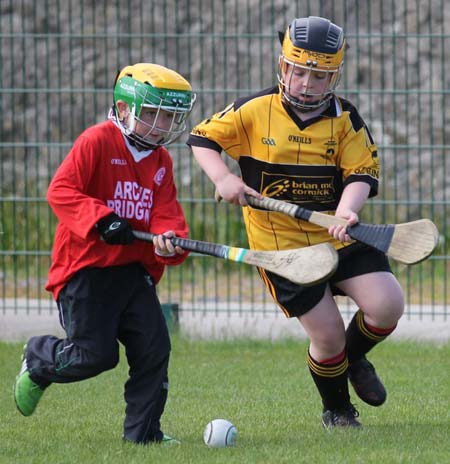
<point>165,92</point>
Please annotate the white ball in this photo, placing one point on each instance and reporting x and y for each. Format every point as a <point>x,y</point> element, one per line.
<point>220,433</point>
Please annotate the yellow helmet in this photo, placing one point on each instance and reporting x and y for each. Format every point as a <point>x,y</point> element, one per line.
<point>147,85</point>
<point>314,44</point>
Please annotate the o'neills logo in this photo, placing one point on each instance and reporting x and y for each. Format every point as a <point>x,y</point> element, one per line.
<point>119,162</point>
<point>299,139</point>
<point>371,171</point>
<point>299,188</point>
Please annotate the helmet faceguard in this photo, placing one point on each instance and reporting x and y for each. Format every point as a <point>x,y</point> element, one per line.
<point>146,85</point>
<point>311,45</point>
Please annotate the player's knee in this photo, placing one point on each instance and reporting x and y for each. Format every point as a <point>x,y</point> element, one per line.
<point>398,309</point>
<point>395,306</point>
<point>385,313</point>
<point>155,362</point>
<point>395,303</point>
<point>103,360</point>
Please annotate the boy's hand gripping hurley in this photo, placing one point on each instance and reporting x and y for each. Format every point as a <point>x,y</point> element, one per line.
<point>408,243</point>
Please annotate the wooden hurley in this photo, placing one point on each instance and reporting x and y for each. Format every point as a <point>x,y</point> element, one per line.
<point>408,243</point>
<point>305,266</point>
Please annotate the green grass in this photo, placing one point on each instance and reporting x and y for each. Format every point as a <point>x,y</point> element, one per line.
<point>264,388</point>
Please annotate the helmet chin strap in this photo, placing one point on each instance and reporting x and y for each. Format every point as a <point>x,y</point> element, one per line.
<point>305,109</point>
<point>139,144</point>
<point>323,106</point>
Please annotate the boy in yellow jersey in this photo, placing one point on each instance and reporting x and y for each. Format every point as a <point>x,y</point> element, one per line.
<point>301,143</point>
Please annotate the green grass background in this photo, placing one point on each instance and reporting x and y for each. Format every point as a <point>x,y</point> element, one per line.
<point>263,387</point>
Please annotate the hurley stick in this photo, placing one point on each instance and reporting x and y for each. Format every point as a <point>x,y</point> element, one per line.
<point>305,266</point>
<point>408,243</point>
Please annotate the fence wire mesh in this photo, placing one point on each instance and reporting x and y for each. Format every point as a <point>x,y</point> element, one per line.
<point>60,59</point>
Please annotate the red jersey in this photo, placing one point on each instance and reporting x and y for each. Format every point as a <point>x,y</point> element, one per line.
<point>100,175</point>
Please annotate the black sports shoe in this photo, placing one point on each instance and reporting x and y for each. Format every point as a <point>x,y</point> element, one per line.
<point>345,417</point>
<point>366,382</point>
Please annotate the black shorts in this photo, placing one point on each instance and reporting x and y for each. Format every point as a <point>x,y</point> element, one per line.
<point>355,259</point>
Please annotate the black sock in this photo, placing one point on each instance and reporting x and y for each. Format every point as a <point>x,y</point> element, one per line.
<point>331,381</point>
<point>361,337</point>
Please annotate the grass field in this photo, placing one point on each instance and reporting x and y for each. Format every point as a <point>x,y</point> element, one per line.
<point>264,388</point>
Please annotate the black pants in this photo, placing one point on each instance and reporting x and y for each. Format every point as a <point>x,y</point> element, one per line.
<point>99,308</point>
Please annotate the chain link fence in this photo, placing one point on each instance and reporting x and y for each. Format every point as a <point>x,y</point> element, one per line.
<point>60,59</point>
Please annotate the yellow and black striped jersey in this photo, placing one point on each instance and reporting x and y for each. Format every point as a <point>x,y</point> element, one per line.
<point>304,162</point>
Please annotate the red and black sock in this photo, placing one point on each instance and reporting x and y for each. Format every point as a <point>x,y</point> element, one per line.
<point>362,337</point>
<point>330,377</point>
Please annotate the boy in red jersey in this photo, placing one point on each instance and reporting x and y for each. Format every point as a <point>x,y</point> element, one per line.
<point>117,177</point>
